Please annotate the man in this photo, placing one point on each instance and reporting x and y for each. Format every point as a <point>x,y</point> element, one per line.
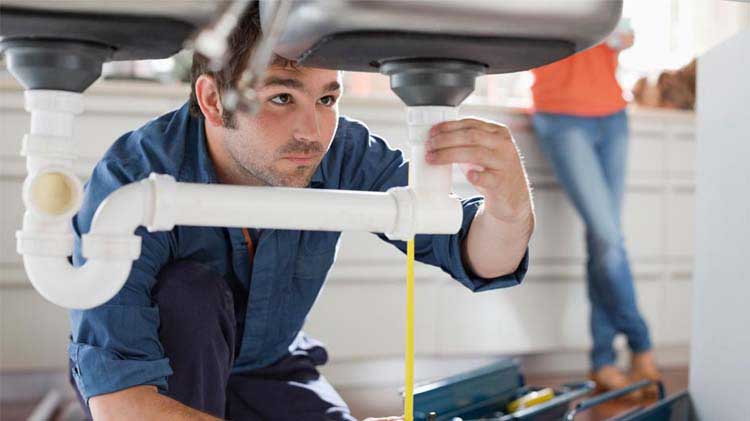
<point>208,322</point>
<point>582,127</point>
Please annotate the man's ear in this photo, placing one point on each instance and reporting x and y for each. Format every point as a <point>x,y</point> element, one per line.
<point>209,99</point>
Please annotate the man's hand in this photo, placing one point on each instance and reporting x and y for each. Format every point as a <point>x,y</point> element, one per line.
<point>502,227</point>
<point>500,177</point>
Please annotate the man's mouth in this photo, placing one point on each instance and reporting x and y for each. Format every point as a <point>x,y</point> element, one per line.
<point>302,159</point>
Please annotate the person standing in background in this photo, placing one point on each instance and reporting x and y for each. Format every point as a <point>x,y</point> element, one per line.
<point>582,127</point>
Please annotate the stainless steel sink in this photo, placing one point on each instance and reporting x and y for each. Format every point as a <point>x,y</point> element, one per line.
<point>132,30</point>
<point>503,35</point>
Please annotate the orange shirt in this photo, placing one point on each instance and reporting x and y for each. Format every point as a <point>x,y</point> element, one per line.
<point>583,84</point>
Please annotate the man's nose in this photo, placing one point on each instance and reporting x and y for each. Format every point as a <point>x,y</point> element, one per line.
<point>307,126</point>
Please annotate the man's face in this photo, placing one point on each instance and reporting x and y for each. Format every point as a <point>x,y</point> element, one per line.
<point>283,144</point>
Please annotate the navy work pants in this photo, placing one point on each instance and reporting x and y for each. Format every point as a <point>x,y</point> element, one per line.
<point>200,337</point>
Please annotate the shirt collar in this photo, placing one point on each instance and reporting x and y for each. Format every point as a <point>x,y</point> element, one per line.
<point>317,179</point>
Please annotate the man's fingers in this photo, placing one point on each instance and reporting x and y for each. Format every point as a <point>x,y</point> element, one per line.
<point>466,123</point>
<point>470,137</point>
<point>464,155</point>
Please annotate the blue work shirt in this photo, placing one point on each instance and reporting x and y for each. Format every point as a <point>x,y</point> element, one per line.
<point>116,345</point>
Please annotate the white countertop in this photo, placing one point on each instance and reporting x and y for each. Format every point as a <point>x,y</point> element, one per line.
<point>178,91</point>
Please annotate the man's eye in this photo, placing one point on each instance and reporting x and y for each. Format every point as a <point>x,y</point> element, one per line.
<point>328,100</point>
<point>282,99</point>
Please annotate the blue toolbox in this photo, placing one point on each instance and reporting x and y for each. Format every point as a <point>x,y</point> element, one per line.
<point>497,392</point>
<point>488,392</point>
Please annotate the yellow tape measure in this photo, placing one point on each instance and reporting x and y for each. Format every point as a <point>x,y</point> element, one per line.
<point>409,352</point>
<point>530,399</point>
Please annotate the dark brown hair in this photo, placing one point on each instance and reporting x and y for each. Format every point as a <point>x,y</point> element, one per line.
<point>241,42</point>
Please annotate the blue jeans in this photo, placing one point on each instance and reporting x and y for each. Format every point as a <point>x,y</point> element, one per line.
<point>589,156</point>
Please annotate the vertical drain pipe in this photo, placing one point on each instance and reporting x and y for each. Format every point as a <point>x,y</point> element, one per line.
<point>432,180</point>
<point>433,89</point>
<point>52,194</point>
<point>432,184</point>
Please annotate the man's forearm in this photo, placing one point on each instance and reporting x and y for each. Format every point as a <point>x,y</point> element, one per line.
<point>142,403</point>
<point>495,247</point>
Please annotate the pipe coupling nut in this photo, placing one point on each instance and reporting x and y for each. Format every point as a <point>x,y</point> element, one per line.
<point>430,115</point>
<point>405,227</point>
<point>35,243</point>
<point>53,100</point>
<point>163,211</point>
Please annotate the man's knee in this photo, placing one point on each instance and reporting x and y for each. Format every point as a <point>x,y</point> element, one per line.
<point>192,298</point>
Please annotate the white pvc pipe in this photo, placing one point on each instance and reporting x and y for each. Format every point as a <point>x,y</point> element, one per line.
<point>423,177</point>
<point>400,212</point>
<point>159,203</point>
<point>432,184</point>
<point>283,208</point>
<point>82,287</point>
<point>124,210</point>
<point>110,247</point>
<point>52,112</point>
<point>52,123</point>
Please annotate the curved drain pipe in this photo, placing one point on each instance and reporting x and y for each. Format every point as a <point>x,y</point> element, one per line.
<point>53,194</point>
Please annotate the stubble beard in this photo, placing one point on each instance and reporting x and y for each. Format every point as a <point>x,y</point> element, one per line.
<point>261,172</point>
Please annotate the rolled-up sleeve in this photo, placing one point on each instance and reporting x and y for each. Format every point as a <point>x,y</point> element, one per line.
<point>445,251</point>
<point>378,167</point>
<point>116,345</point>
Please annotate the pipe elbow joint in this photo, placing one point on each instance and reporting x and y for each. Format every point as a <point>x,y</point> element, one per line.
<point>144,203</point>
<point>84,287</point>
